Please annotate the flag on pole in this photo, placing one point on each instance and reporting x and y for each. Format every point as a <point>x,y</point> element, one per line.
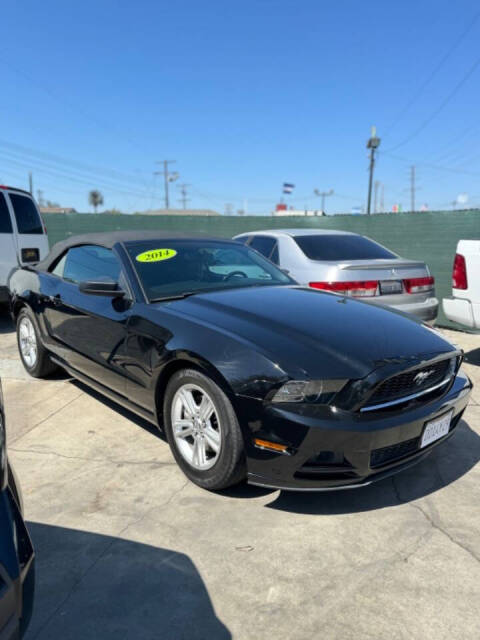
<point>288,187</point>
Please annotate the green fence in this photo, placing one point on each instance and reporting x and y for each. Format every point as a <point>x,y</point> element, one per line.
<point>431,237</point>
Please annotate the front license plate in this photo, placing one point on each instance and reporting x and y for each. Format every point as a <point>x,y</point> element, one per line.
<point>436,429</point>
<point>388,287</point>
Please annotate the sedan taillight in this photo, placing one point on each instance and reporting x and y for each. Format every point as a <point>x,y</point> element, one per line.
<point>459,273</point>
<point>357,288</point>
<point>419,285</point>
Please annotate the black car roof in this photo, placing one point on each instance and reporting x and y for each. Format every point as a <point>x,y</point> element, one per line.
<point>110,239</point>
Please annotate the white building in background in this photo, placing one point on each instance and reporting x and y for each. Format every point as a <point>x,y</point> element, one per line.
<point>298,212</point>
<point>178,212</point>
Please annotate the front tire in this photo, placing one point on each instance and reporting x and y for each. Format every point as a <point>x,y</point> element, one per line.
<point>203,431</point>
<point>35,358</point>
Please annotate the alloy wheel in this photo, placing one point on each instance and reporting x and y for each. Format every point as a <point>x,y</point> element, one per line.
<point>196,427</point>
<point>28,342</point>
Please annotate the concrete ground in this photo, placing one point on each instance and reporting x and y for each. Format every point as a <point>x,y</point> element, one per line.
<point>128,548</point>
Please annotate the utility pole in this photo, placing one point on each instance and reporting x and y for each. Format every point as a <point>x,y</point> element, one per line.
<point>412,188</point>
<point>376,185</point>
<point>323,195</point>
<point>372,144</point>
<point>183,191</point>
<point>30,182</point>
<point>40,197</point>
<point>382,199</point>
<point>167,177</point>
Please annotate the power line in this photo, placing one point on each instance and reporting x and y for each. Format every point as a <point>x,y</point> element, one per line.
<point>440,108</point>
<point>40,168</point>
<point>431,166</point>
<point>436,69</point>
<point>111,174</point>
<point>72,106</point>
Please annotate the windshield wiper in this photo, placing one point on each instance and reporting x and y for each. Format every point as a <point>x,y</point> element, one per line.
<point>177,296</point>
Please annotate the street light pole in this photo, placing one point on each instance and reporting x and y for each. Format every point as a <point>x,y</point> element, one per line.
<point>372,144</point>
<point>323,195</point>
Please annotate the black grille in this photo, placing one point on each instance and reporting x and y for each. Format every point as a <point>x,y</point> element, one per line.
<point>406,384</point>
<point>380,457</point>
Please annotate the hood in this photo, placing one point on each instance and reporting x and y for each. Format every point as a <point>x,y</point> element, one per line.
<point>317,333</point>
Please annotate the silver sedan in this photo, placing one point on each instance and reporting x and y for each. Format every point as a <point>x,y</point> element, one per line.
<point>351,265</point>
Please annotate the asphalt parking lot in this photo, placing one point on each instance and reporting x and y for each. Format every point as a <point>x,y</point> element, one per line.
<point>128,548</point>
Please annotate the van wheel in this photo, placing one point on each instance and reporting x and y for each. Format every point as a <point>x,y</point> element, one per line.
<point>35,358</point>
<point>203,431</point>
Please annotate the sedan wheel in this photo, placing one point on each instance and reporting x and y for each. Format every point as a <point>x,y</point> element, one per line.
<point>27,340</point>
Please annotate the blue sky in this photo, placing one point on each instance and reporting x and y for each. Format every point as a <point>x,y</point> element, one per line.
<point>243,95</point>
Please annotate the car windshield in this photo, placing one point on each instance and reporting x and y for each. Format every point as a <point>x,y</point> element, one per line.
<point>174,268</point>
<point>341,247</point>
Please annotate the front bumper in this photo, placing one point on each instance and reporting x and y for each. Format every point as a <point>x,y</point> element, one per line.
<point>16,570</point>
<point>333,449</point>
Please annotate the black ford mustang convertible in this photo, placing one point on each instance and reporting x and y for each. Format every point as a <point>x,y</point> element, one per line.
<point>249,374</point>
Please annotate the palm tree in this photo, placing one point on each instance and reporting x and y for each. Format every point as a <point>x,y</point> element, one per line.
<point>95,199</point>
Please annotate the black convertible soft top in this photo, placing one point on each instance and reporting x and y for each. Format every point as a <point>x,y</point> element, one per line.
<point>110,239</point>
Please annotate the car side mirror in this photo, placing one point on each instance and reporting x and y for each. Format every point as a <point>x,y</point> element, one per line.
<point>105,288</point>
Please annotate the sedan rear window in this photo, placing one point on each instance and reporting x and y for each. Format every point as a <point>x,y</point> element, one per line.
<point>26,215</point>
<point>341,247</point>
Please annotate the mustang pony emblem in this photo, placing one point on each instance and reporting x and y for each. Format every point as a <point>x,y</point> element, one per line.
<point>422,376</point>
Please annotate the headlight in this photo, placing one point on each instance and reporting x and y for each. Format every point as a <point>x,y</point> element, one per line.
<point>321,391</point>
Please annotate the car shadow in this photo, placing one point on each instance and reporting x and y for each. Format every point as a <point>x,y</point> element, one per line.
<point>6,323</point>
<point>473,357</point>
<point>94,586</point>
<point>446,464</point>
<point>126,413</point>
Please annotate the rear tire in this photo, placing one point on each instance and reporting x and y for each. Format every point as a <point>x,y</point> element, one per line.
<point>35,358</point>
<point>203,431</point>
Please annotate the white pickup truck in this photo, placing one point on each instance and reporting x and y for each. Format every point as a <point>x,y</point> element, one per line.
<point>464,306</point>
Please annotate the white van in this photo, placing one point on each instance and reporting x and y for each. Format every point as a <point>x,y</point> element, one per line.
<point>23,236</point>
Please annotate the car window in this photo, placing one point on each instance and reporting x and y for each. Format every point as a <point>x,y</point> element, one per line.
<point>172,268</point>
<point>274,257</point>
<point>89,262</point>
<point>60,266</point>
<point>341,247</point>
<point>26,215</point>
<point>263,244</point>
<point>5,221</point>
<point>243,239</point>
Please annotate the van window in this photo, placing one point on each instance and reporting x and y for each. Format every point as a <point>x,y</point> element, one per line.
<point>26,215</point>
<point>5,222</point>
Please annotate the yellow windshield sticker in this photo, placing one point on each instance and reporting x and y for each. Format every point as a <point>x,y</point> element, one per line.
<point>156,255</point>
